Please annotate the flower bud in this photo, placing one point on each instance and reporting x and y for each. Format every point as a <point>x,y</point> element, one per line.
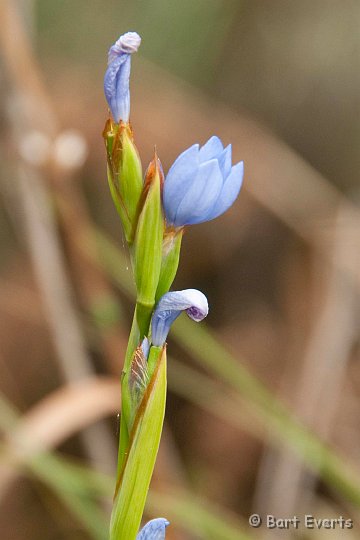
<point>117,76</point>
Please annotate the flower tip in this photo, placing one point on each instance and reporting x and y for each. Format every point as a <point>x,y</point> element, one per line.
<point>160,171</point>
<point>108,128</point>
<point>238,171</point>
<point>153,530</point>
<point>199,308</point>
<point>130,42</point>
<point>155,168</point>
<point>169,307</point>
<point>127,43</point>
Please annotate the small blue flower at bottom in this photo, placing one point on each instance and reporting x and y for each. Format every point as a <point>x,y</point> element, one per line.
<point>153,530</point>
<point>201,184</point>
<point>169,308</point>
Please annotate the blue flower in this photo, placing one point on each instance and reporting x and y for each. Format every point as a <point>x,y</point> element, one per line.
<point>116,80</point>
<point>153,530</point>
<point>169,308</point>
<point>201,184</point>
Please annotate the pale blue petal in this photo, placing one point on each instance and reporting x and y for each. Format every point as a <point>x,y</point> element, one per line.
<point>229,192</point>
<point>161,324</point>
<point>225,162</point>
<point>178,180</point>
<point>182,300</point>
<point>153,530</point>
<point>170,307</point>
<point>211,149</point>
<point>116,87</point>
<point>201,196</point>
<point>145,346</point>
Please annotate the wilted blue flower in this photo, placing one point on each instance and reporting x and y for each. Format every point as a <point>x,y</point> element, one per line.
<point>169,308</point>
<point>153,530</point>
<point>201,184</point>
<point>116,80</point>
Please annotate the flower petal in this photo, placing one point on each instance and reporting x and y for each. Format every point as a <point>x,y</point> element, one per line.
<point>169,308</point>
<point>211,149</point>
<point>153,530</point>
<point>201,195</point>
<point>229,192</point>
<point>116,87</point>
<point>225,161</point>
<point>178,180</point>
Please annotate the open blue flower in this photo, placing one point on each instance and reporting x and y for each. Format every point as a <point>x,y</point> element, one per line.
<point>117,76</point>
<point>201,184</point>
<point>153,530</point>
<point>169,308</point>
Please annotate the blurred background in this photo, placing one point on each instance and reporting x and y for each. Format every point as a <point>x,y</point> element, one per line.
<point>264,400</point>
